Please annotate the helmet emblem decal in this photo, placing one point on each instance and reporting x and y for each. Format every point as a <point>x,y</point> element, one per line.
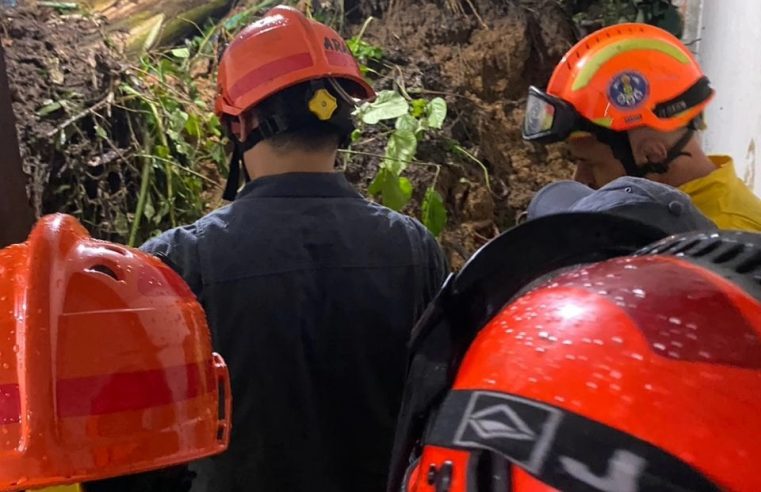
<point>628,90</point>
<point>525,427</point>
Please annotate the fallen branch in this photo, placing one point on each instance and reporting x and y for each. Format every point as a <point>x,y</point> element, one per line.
<point>91,110</point>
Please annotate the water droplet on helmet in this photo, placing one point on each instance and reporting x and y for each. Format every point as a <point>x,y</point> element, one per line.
<point>591,384</point>
<point>544,334</point>
<point>659,346</point>
<point>638,357</point>
<point>639,293</point>
<point>675,320</point>
<point>618,340</point>
<point>649,387</point>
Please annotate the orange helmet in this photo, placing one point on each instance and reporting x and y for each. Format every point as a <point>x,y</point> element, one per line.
<point>282,49</point>
<point>106,366</point>
<point>616,79</point>
<point>635,373</point>
<point>279,51</point>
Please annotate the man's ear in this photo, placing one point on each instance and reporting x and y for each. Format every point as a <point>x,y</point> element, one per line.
<point>648,145</point>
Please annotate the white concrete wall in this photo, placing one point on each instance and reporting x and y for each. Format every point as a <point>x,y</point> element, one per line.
<point>729,50</point>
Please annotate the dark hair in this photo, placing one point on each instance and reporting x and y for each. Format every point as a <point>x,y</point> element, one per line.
<point>313,134</point>
<point>175,479</point>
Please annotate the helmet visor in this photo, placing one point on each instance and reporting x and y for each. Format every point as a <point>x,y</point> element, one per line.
<point>548,119</point>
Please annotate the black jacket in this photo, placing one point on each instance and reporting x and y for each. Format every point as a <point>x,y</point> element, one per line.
<point>311,293</point>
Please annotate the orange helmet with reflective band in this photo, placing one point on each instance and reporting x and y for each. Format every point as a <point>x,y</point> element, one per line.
<point>282,49</point>
<point>631,75</point>
<point>106,366</point>
<point>632,374</point>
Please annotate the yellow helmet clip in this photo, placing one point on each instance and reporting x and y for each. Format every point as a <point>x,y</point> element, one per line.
<point>323,104</point>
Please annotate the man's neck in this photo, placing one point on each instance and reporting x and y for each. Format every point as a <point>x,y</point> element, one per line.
<point>689,167</point>
<point>264,160</point>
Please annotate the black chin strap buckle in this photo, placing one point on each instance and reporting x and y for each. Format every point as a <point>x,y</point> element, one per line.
<point>674,153</point>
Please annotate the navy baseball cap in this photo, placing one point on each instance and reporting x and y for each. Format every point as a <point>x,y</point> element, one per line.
<point>652,203</point>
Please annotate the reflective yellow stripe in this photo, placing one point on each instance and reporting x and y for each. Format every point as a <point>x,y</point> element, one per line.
<point>607,121</point>
<point>61,488</point>
<point>593,66</point>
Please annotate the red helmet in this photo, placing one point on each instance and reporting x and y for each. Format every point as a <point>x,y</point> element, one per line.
<point>279,51</point>
<point>635,373</point>
<point>106,366</point>
<point>282,49</point>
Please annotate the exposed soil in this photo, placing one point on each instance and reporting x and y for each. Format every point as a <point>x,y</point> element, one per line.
<point>482,63</point>
<point>61,74</point>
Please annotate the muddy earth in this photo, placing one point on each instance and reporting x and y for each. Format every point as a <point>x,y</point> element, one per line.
<point>482,62</point>
<point>479,55</point>
<point>63,74</point>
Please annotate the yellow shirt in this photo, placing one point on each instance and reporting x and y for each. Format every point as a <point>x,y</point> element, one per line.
<point>724,198</point>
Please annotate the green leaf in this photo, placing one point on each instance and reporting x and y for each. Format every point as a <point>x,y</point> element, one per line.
<point>59,5</point>
<point>436,111</point>
<point>149,211</point>
<point>179,118</point>
<point>237,21</point>
<point>193,127</point>
<point>417,109</point>
<point>388,105</point>
<point>166,66</point>
<point>121,224</point>
<point>181,53</point>
<point>400,150</point>
<point>162,151</point>
<point>214,126</point>
<point>49,108</point>
<point>434,211</point>
<point>408,123</point>
<point>364,51</point>
<point>163,211</point>
<point>100,132</point>
<point>394,190</point>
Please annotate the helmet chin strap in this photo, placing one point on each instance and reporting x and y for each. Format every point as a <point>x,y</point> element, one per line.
<point>622,150</point>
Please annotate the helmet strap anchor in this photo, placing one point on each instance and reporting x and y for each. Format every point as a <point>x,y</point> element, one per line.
<point>279,123</point>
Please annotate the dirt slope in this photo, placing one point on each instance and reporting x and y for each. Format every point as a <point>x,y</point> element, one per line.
<point>482,63</point>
